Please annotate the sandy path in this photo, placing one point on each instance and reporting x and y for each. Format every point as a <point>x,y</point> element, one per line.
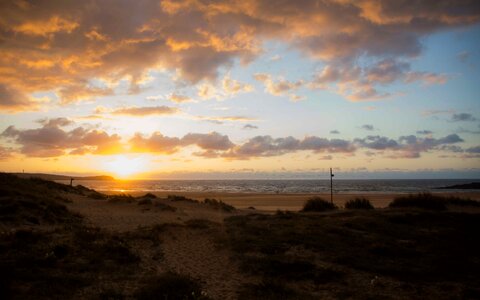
<point>194,253</point>
<point>184,250</point>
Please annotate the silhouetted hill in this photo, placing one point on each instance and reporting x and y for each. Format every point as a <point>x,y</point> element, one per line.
<point>61,177</point>
<point>468,186</point>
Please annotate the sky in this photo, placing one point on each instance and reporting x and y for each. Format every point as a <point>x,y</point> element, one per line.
<point>241,89</point>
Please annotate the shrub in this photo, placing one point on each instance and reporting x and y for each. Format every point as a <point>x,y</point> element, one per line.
<point>318,204</point>
<point>421,200</point>
<point>149,195</point>
<point>180,198</point>
<point>219,204</point>
<point>358,203</point>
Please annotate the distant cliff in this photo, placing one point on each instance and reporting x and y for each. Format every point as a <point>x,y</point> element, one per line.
<point>62,177</point>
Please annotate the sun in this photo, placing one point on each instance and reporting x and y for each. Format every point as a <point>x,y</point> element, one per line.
<point>125,166</point>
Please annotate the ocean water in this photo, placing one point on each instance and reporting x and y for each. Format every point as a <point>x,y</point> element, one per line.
<point>277,186</point>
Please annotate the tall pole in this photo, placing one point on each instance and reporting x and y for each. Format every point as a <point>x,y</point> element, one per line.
<point>331,186</point>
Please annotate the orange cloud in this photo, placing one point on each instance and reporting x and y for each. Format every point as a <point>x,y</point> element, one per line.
<point>61,46</point>
<point>147,110</point>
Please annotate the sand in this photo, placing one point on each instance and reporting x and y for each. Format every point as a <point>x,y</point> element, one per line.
<point>194,251</point>
<point>294,202</point>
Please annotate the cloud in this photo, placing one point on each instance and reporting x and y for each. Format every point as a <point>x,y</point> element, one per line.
<point>51,140</point>
<point>228,88</point>
<point>264,146</point>
<point>359,83</point>
<point>177,98</point>
<point>437,112</point>
<point>461,117</point>
<point>13,100</point>
<point>475,149</point>
<point>5,153</point>
<point>54,139</point>
<point>146,110</point>
<point>279,87</point>
<point>61,46</point>
<point>463,56</point>
<point>408,146</point>
<point>161,144</point>
<point>334,131</point>
<point>249,127</point>
<point>368,127</point>
<point>221,119</point>
<point>210,141</point>
<point>424,132</point>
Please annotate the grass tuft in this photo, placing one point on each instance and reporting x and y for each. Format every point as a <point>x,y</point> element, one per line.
<point>219,204</point>
<point>318,204</point>
<point>421,200</point>
<point>358,203</point>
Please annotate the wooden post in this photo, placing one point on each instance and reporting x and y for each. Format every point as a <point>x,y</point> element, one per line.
<point>331,186</point>
<point>71,181</point>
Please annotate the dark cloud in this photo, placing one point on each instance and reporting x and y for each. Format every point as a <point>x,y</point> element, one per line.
<point>368,127</point>
<point>52,140</point>
<point>250,126</point>
<point>210,141</point>
<point>424,132</point>
<point>261,146</point>
<point>14,100</point>
<point>409,146</point>
<point>462,117</point>
<point>475,149</point>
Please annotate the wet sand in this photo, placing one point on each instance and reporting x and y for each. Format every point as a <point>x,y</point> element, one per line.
<point>293,202</point>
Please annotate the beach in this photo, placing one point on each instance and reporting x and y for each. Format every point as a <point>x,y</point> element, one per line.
<point>240,246</point>
<point>292,202</point>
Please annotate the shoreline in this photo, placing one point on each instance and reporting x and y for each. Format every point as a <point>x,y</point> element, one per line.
<point>290,201</point>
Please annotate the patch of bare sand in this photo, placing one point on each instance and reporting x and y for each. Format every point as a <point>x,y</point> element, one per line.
<point>125,216</point>
<point>195,253</point>
<point>184,250</point>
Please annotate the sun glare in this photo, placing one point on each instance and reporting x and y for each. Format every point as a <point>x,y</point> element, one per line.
<point>124,166</point>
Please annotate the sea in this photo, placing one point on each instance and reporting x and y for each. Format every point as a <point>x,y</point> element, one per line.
<point>278,186</point>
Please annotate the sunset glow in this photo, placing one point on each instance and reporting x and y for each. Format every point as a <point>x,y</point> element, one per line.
<point>167,89</point>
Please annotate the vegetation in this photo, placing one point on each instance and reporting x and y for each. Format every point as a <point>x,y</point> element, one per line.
<point>358,203</point>
<point>318,204</point>
<point>180,198</point>
<point>431,202</point>
<point>219,204</point>
<point>309,254</point>
<point>170,286</point>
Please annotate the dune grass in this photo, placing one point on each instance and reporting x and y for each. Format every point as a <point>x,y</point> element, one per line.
<point>358,203</point>
<point>311,253</point>
<point>318,204</point>
<point>431,202</point>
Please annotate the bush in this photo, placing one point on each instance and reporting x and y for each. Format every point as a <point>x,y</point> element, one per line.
<point>318,204</point>
<point>219,204</point>
<point>421,200</point>
<point>180,198</point>
<point>358,203</point>
<point>149,195</point>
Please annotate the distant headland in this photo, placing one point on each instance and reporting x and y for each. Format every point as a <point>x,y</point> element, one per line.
<point>62,177</point>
